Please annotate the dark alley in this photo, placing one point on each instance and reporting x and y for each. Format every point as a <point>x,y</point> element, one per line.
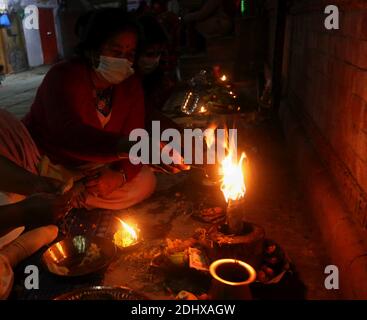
<point>183,150</point>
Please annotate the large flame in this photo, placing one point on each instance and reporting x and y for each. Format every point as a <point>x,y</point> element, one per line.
<point>233,182</point>
<point>232,171</point>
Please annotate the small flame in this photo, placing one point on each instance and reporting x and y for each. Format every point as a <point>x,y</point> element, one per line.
<point>233,179</point>
<point>223,78</point>
<point>202,109</point>
<point>130,230</point>
<point>126,236</point>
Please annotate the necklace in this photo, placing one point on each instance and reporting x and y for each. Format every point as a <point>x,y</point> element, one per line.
<point>103,97</point>
<point>104,101</point>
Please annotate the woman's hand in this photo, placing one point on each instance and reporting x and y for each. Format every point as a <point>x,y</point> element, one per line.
<point>174,158</point>
<point>104,182</point>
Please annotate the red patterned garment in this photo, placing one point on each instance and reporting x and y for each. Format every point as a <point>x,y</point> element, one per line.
<point>64,123</point>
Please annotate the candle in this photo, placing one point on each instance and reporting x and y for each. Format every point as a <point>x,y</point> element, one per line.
<point>234,189</point>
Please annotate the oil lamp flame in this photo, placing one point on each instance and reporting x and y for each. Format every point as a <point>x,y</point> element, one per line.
<point>126,236</point>
<point>202,109</point>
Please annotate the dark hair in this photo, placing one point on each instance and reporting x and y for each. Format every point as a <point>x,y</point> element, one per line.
<point>82,23</point>
<point>95,27</point>
<point>154,33</point>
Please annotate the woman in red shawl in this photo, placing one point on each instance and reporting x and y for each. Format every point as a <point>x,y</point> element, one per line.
<point>86,108</point>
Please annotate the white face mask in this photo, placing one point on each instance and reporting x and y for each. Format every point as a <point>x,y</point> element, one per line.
<point>147,64</point>
<point>114,70</point>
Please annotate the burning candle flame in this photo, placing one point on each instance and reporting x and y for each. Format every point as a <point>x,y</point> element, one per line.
<point>223,78</point>
<point>233,181</point>
<point>232,171</point>
<point>126,236</point>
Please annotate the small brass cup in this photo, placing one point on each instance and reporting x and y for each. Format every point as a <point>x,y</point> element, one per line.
<point>231,280</point>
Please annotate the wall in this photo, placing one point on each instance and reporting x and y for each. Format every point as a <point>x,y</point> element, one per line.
<point>68,18</point>
<point>271,6</point>
<point>32,37</point>
<point>15,46</point>
<point>327,89</point>
<point>3,58</point>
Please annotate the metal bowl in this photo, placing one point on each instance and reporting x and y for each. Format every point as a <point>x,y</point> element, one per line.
<point>103,293</point>
<point>79,256</point>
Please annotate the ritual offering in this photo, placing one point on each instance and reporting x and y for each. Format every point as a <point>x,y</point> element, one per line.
<point>211,215</point>
<point>210,93</point>
<point>79,256</point>
<point>274,263</point>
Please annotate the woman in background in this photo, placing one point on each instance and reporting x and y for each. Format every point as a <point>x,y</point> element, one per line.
<point>157,81</point>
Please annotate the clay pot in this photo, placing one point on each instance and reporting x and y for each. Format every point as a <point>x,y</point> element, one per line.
<point>231,280</point>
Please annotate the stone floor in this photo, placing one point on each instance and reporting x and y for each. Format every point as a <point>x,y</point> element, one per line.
<point>273,200</point>
<point>18,90</point>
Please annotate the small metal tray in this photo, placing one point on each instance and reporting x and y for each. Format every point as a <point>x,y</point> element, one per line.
<point>103,293</point>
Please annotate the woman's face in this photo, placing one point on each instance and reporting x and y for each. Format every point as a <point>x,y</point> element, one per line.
<point>149,59</point>
<point>123,45</point>
<point>153,51</point>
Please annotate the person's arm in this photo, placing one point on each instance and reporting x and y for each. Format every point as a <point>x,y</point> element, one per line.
<point>15,179</point>
<point>166,123</point>
<point>208,8</point>
<point>35,211</point>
